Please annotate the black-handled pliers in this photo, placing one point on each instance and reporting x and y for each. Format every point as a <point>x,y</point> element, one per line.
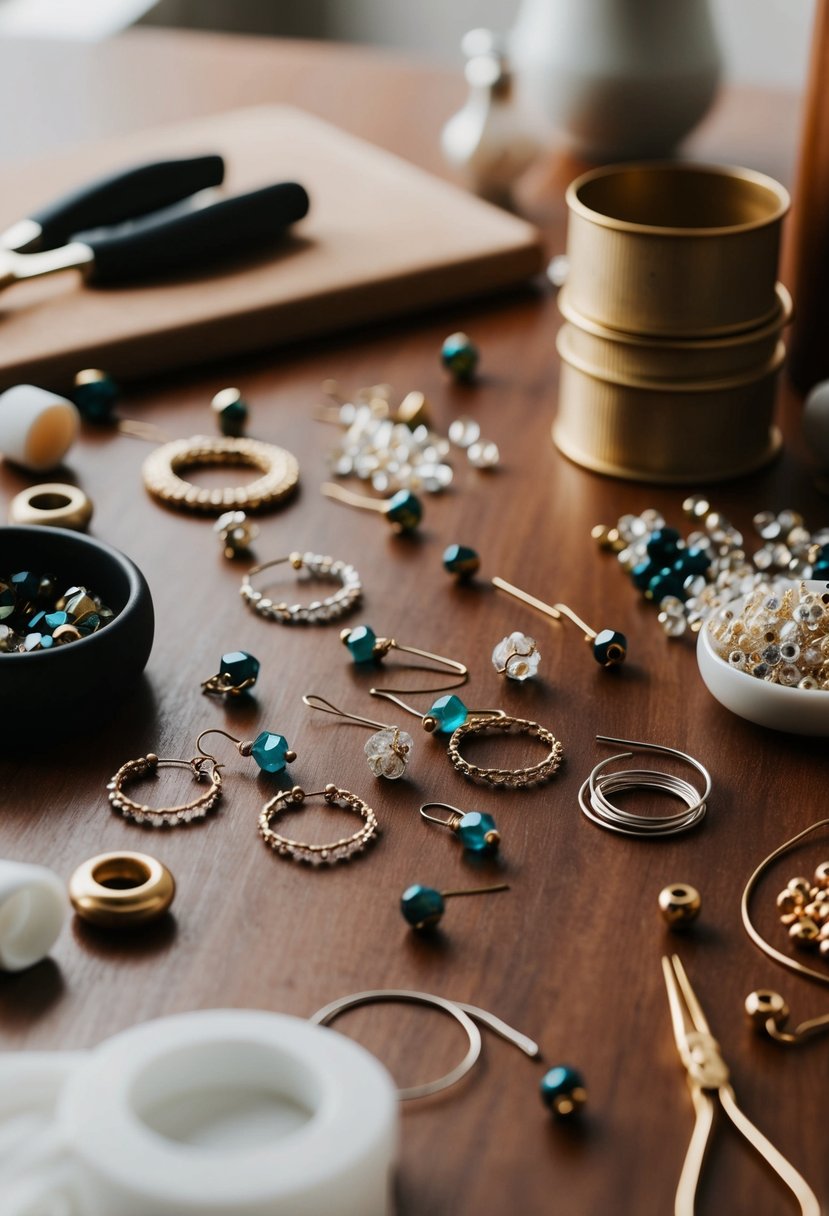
<point>88,230</point>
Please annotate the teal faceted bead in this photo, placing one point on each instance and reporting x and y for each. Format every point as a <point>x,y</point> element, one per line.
<point>95,394</point>
<point>448,712</point>
<point>610,648</point>
<point>37,623</point>
<point>8,599</point>
<point>692,561</point>
<point>89,624</point>
<point>477,833</point>
<point>53,620</point>
<point>404,510</point>
<point>271,752</point>
<point>663,544</point>
<point>238,666</point>
<point>231,412</point>
<point>360,642</point>
<point>422,907</point>
<point>666,582</point>
<point>461,560</point>
<point>643,572</point>
<point>459,355</point>
<point>563,1090</point>
<point>26,585</point>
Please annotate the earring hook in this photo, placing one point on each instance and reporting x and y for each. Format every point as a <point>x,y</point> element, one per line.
<point>314,701</point>
<point>556,611</point>
<point>451,822</point>
<point>215,730</point>
<point>386,644</point>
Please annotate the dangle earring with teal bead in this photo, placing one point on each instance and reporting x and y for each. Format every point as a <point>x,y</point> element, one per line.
<point>365,646</point>
<point>270,751</point>
<point>423,907</point>
<point>474,829</point>
<point>609,646</point>
<point>403,510</point>
<point>237,674</point>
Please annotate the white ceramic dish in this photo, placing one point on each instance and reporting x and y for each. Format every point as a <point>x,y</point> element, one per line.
<point>798,711</point>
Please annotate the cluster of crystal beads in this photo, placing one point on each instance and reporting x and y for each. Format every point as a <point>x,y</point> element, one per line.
<point>318,854</point>
<point>317,612</point>
<point>517,657</point>
<point>780,634</point>
<point>33,616</point>
<point>388,752</point>
<point>236,532</point>
<point>147,766</point>
<point>691,578</point>
<point>804,909</point>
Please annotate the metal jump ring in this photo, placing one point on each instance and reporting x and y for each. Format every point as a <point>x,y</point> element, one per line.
<point>596,805</point>
<point>518,778</point>
<point>331,608</point>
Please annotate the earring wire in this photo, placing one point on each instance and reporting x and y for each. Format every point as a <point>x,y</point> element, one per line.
<point>556,611</point>
<point>314,701</point>
<point>451,822</point>
<point>453,665</point>
<point>215,730</point>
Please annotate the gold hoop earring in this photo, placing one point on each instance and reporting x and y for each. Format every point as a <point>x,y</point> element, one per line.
<point>318,854</point>
<point>279,469</point>
<point>365,646</point>
<point>388,750</point>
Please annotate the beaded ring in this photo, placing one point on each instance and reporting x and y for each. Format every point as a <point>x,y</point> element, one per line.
<point>318,854</point>
<point>201,767</point>
<point>518,778</point>
<point>279,469</point>
<point>318,611</point>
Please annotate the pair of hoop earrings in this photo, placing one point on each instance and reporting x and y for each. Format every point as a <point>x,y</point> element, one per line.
<point>272,754</point>
<point>390,748</point>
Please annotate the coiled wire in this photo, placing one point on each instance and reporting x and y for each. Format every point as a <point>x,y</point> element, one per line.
<point>595,802</point>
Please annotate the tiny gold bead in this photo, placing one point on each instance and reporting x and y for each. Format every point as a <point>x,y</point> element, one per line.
<point>297,793</point>
<point>824,947</point>
<point>804,933</point>
<point>822,874</point>
<point>290,756</point>
<point>599,534</point>
<point>429,724</point>
<point>345,634</point>
<point>680,905</point>
<point>296,561</point>
<point>152,759</point>
<point>799,885</point>
<point>764,1004</point>
<point>789,902</point>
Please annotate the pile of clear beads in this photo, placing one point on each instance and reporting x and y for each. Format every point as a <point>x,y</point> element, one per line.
<point>781,636</point>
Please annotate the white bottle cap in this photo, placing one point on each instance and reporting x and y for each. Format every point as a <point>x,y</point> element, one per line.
<point>33,905</point>
<point>37,428</point>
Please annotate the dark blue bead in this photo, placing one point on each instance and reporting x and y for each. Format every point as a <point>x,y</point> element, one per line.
<point>667,582</point>
<point>459,355</point>
<point>663,544</point>
<point>643,572</point>
<point>421,906</point>
<point>563,1090</point>
<point>692,561</point>
<point>26,585</point>
<point>404,511</point>
<point>461,560</point>
<point>610,648</point>
<point>239,666</point>
<point>96,397</point>
<point>360,642</point>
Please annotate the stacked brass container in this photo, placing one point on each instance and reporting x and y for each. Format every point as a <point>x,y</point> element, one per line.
<point>673,317</point>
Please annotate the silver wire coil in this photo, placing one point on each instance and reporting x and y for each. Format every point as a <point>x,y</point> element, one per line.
<point>595,794</point>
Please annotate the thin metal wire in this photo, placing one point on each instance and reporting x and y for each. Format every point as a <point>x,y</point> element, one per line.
<point>595,802</point>
<point>758,939</point>
<point>214,730</point>
<point>461,669</point>
<point>331,490</point>
<point>471,713</point>
<point>452,822</point>
<point>461,1012</point>
<point>556,611</point>
<point>326,707</point>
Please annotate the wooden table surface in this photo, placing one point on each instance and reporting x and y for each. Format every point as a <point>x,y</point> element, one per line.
<point>571,954</point>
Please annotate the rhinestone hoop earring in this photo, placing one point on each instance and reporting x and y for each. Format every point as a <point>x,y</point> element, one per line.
<point>318,854</point>
<point>318,612</point>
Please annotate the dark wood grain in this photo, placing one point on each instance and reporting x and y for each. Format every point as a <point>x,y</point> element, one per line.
<point>571,953</point>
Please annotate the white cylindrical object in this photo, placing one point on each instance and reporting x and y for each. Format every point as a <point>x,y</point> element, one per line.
<point>229,1113</point>
<point>33,906</point>
<point>37,428</point>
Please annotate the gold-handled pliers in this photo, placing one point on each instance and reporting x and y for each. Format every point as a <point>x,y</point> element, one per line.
<point>708,1079</point>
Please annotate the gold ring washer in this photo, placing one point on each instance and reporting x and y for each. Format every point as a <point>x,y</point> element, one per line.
<point>279,469</point>
<point>53,504</point>
<point>115,889</point>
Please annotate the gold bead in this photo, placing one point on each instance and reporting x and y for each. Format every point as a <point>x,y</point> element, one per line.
<point>296,560</point>
<point>799,885</point>
<point>429,724</point>
<point>330,791</point>
<point>764,1004</point>
<point>152,759</point>
<point>298,793</point>
<point>790,903</point>
<point>345,634</point>
<point>804,933</point>
<point>680,905</point>
<point>290,756</point>
<point>822,874</point>
<point>818,912</point>
<point>599,535</point>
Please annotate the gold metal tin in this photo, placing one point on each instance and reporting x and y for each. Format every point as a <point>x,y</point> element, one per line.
<point>670,433</point>
<point>674,249</point>
<point>609,352</point>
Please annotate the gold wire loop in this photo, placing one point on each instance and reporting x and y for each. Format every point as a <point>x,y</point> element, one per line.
<point>318,854</point>
<point>505,778</point>
<point>222,685</point>
<point>821,977</point>
<point>172,816</point>
<point>314,701</point>
<point>382,646</point>
<point>461,1012</point>
<point>769,1013</point>
<point>452,822</point>
<point>388,694</point>
<point>556,611</point>
<point>215,730</point>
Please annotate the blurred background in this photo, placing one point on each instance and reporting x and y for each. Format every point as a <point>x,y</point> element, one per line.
<point>762,41</point>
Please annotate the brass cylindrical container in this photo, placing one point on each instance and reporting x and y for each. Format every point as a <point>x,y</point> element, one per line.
<point>666,432</point>
<point>674,249</point>
<point>612,353</point>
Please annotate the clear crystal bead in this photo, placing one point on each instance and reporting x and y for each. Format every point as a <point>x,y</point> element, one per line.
<point>388,752</point>
<point>463,432</point>
<point>483,455</point>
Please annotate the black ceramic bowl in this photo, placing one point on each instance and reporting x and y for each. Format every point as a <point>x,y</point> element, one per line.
<point>58,689</point>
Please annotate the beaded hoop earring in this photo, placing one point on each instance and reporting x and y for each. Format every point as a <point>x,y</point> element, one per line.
<point>318,854</point>
<point>518,778</point>
<point>279,469</point>
<point>318,612</point>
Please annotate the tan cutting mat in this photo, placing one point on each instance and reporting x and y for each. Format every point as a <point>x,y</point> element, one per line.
<point>382,238</point>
